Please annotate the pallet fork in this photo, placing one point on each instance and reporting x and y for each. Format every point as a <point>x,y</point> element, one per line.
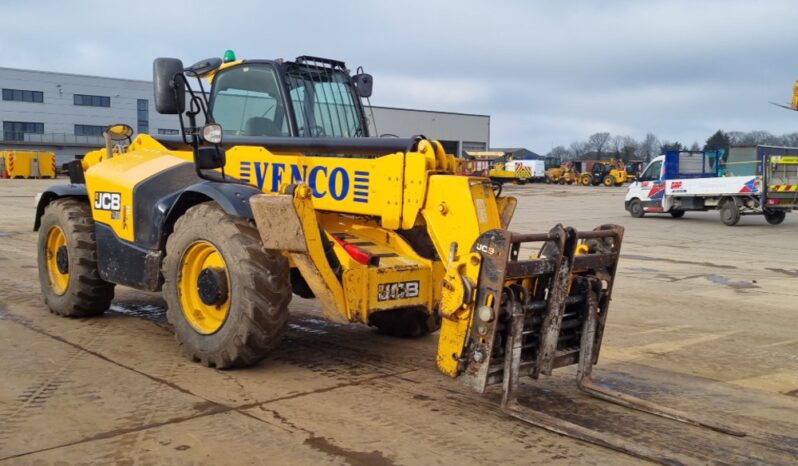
<point>551,313</point>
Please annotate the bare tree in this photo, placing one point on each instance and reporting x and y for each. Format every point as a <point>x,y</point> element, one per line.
<point>578,148</point>
<point>560,153</point>
<point>627,148</point>
<point>598,142</point>
<point>695,147</point>
<point>648,147</point>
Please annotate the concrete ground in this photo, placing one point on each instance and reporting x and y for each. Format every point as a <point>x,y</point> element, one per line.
<point>703,319</point>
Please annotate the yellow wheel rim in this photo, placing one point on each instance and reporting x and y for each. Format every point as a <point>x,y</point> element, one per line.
<point>608,182</point>
<point>205,315</point>
<point>57,252</point>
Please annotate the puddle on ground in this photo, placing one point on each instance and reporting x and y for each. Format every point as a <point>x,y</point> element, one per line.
<point>675,261</point>
<point>789,273</point>
<point>736,284</point>
<point>144,311</point>
<point>642,269</point>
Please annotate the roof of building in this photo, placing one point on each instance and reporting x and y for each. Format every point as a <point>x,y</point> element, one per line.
<point>520,153</point>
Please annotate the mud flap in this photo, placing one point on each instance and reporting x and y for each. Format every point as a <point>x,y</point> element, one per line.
<point>288,222</point>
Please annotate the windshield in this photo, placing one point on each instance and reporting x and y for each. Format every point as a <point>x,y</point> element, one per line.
<point>246,101</point>
<point>323,102</point>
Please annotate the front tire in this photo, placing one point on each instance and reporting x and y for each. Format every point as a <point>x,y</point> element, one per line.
<point>775,217</point>
<point>677,213</point>
<point>586,180</point>
<point>67,260</point>
<point>608,181</point>
<point>636,209</point>
<point>226,296</point>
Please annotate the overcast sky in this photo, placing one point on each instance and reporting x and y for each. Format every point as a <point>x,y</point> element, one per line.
<point>546,72</point>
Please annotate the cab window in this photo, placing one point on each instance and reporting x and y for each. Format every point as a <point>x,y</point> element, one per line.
<point>246,100</point>
<point>652,172</point>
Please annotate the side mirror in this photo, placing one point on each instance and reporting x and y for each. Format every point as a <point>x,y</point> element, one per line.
<point>363,83</point>
<point>169,90</point>
<point>209,158</point>
<point>119,132</point>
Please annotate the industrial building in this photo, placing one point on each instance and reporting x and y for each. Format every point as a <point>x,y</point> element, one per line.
<point>66,113</point>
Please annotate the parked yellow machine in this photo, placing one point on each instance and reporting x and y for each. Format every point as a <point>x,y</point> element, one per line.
<point>281,191</point>
<point>610,172</point>
<point>28,164</point>
<point>564,174</point>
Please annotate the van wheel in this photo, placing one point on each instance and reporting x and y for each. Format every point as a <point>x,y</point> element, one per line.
<point>775,217</point>
<point>636,208</point>
<point>677,213</point>
<point>729,212</point>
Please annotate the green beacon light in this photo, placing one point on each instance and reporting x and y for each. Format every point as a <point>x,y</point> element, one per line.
<point>229,55</point>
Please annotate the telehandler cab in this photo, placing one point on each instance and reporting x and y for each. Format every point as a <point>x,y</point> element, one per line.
<point>281,190</point>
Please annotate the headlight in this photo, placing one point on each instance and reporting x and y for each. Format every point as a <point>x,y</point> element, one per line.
<point>212,133</point>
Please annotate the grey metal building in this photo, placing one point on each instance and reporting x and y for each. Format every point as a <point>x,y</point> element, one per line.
<point>459,132</point>
<point>66,113</point>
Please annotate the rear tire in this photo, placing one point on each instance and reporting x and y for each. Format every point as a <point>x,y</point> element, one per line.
<point>71,284</point>
<point>677,213</point>
<point>775,217</point>
<point>636,208</point>
<point>608,181</point>
<point>585,180</point>
<point>729,213</point>
<point>256,296</point>
<point>561,181</point>
<point>408,322</point>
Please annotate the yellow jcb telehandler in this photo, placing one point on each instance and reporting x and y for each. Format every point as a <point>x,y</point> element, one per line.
<point>281,190</point>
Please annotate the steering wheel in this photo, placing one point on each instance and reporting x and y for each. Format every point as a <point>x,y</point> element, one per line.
<point>315,130</point>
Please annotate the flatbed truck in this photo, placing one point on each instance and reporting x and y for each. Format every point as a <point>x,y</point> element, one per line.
<point>680,181</point>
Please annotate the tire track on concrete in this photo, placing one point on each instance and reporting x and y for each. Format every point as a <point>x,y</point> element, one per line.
<point>205,408</point>
<point>37,394</point>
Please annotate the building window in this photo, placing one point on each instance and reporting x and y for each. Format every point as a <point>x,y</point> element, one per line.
<point>92,100</point>
<point>168,131</point>
<point>143,115</point>
<point>20,95</point>
<point>16,130</point>
<point>89,130</point>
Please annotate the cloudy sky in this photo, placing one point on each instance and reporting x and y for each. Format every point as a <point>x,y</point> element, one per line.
<point>547,73</point>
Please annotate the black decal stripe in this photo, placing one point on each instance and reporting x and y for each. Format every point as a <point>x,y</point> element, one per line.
<point>149,191</point>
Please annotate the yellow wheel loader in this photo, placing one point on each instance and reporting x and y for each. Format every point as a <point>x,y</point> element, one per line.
<point>563,174</point>
<point>281,191</point>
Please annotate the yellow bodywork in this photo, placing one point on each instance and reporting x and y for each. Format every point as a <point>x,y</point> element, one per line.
<point>342,201</point>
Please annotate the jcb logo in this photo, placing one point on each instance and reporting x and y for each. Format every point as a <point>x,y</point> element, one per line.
<point>401,290</point>
<point>107,201</point>
<point>485,248</point>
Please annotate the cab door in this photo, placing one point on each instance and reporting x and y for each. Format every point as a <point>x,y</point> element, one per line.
<point>650,188</point>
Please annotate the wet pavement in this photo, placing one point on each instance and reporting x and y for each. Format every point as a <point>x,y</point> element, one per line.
<point>703,320</point>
